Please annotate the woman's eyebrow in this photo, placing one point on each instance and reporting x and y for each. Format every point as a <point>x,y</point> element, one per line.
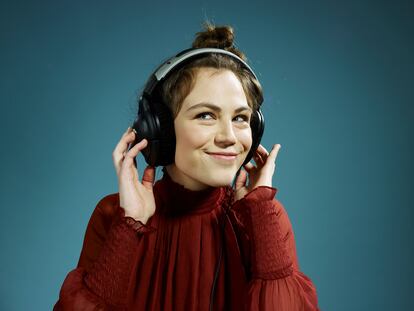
<point>217,108</point>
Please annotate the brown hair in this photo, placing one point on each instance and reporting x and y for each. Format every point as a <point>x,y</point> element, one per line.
<point>180,82</point>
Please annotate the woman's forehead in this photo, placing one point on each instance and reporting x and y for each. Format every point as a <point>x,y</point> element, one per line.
<point>222,89</point>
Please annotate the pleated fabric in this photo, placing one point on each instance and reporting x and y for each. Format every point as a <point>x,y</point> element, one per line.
<point>170,263</point>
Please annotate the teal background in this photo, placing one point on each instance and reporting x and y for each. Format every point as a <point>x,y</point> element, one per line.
<point>338,83</point>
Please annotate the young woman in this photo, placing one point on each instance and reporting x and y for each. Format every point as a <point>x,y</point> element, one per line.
<point>190,241</point>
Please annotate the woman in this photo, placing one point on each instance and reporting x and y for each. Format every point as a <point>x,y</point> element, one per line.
<point>191,241</point>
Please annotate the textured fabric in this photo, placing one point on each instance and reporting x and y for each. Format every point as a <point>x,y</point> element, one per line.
<point>170,262</point>
<point>269,256</point>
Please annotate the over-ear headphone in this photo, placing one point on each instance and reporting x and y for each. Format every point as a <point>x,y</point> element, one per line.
<point>155,120</point>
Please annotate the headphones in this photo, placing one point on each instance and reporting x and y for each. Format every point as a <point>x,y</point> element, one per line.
<point>155,121</point>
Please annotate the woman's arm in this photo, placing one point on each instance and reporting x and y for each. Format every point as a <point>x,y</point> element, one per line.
<point>101,279</point>
<point>275,280</point>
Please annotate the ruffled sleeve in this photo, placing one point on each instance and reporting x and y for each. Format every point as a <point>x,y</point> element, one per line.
<point>101,279</point>
<point>275,280</point>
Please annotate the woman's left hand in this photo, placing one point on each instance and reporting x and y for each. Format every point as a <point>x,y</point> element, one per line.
<point>259,175</point>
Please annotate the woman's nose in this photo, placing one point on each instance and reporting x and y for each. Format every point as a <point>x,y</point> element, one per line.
<point>225,134</point>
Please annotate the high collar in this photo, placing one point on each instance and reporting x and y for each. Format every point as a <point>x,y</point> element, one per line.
<point>178,200</point>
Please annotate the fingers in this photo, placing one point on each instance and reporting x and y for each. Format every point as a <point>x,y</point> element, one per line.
<point>148,177</point>
<point>263,172</point>
<point>249,167</point>
<point>133,152</point>
<point>121,152</point>
<point>262,155</point>
<point>274,152</point>
<point>258,159</point>
<point>117,154</point>
<point>122,145</point>
<point>241,179</point>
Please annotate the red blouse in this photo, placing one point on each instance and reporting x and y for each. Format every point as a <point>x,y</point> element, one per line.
<point>171,262</point>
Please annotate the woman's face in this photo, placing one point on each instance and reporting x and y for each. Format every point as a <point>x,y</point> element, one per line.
<point>214,118</point>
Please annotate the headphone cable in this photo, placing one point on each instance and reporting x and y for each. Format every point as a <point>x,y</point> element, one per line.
<point>227,203</point>
<point>216,274</point>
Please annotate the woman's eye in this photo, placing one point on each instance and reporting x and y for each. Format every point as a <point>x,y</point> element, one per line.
<point>210,116</point>
<point>243,118</point>
<point>202,116</point>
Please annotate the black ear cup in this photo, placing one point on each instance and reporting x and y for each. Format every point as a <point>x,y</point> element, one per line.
<point>257,126</point>
<point>156,124</point>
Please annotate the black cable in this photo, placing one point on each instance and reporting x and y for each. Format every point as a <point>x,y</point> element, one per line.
<point>213,287</point>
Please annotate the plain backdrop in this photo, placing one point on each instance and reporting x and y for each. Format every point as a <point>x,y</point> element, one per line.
<point>338,84</point>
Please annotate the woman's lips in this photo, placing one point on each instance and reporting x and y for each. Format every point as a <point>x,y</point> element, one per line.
<point>222,157</point>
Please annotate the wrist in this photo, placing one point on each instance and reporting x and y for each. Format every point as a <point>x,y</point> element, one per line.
<point>141,218</point>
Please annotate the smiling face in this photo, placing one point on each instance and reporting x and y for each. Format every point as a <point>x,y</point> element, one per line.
<point>214,118</point>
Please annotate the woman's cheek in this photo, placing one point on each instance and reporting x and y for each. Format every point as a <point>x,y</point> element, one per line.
<point>190,140</point>
<point>245,138</point>
<point>199,136</point>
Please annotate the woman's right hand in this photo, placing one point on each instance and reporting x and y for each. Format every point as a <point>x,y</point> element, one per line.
<point>136,198</point>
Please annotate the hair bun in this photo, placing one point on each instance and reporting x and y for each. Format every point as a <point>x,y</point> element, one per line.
<point>221,37</point>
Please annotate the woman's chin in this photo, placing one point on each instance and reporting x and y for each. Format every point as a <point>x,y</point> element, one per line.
<point>221,181</point>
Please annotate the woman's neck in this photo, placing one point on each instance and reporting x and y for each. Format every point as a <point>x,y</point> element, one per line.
<point>181,178</point>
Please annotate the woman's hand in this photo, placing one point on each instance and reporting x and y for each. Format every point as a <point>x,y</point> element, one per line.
<point>137,199</point>
<point>260,175</point>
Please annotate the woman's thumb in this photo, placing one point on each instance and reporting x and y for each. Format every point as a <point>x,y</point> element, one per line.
<point>148,177</point>
<point>241,179</point>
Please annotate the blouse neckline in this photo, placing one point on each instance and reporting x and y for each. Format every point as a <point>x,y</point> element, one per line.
<point>178,200</point>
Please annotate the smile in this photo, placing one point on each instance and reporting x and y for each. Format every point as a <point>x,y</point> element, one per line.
<point>223,158</point>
